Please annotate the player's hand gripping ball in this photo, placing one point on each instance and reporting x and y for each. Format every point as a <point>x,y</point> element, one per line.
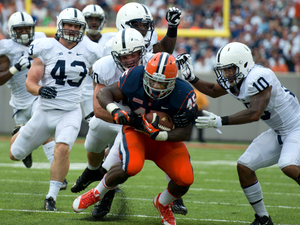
<point>165,122</point>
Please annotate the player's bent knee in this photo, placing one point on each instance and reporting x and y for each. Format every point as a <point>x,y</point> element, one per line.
<point>12,157</point>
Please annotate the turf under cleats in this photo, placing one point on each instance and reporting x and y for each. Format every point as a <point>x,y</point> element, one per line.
<point>87,177</point>
<point>102,208</point>
<point>28,161</point>
<point>166,214</point>
<point>64,185</point>
<point>87,199</point>
<point>49,204</point>
<point>178,207</point>
<point>264,220</point>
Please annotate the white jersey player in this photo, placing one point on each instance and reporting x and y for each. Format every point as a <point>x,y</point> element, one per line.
<point>95,18</point>
<point>15,50</point>
<point>61,64</point>
<point>261,92</point>
<point>138,16</point>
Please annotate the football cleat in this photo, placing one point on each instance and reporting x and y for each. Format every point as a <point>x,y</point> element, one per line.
<point>49,204</point>
<point>264,220</point>
<point>87,199</point>
<point>87,177</point>
<point>64,185</point>
<point>166,214</point>
<point>28,161</point>
<point>102,208</point>
<point>178,207</point>
<point>16,129</point>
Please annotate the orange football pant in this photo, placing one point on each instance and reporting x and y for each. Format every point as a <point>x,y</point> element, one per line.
<point>171,157</point>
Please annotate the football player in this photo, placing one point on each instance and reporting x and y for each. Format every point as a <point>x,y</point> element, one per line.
<point>153,87</point>
<point>95,19</point>
<point>138,16</point>
<point>14,65</point>
<point>265,98</point>
<point>61,64</point>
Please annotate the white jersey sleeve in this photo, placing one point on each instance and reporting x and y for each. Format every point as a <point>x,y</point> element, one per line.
<point>65,69</point>
<point>283,109</point>
<point>105,71</point>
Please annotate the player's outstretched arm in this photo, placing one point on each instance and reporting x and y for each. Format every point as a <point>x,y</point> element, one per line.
<point>185,65</point>
<point>167,43</point>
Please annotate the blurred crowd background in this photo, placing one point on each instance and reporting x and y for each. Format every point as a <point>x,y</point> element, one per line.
<point>269,27</point>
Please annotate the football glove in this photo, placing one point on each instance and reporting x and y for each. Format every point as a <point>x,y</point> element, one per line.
<point>23,63</point>
<point>208,120</point>
<point>120,116</point>
<point>173,16</point>
<point>184,64</point>
<point>153,130</point>
<point>47,92</point>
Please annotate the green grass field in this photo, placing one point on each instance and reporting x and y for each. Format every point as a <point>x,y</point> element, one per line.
<point>215,198</point>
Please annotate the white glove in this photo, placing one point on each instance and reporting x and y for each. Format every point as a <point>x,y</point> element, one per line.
<point>173,16</point>
<point>208,120</point>
<point>184,63</point>
<point>23,63</point>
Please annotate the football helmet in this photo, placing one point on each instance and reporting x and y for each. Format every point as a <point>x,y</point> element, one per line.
<point>137,16</point>
<point>21,19</point>
<point>94,11</point>
<point>72,16</point>
<point>127,42</point>
<point>233,63</point>
<point>160,75</point>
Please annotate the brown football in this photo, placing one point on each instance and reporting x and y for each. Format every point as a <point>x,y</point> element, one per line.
<point>165,121</point>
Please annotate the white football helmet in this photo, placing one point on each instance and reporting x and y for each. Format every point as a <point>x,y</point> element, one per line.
<point>21,19</point>
<point>72,16</point>
<point>94,11</point>
<point>233,63</point>
<point>126,42</point>
<point>133,15</point>
<point>162,69</point>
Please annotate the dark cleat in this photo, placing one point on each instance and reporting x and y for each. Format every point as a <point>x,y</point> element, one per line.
<point>102,208</point>
<point>264,220</point>
<point>49,204</point>
<point>178,207</point>
<point>28,161</point>
<point>87,177</point>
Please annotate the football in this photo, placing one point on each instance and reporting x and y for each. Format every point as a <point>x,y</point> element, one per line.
<point>165,121</point>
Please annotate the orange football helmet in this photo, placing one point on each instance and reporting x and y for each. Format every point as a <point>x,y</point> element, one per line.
<point>160,75</point>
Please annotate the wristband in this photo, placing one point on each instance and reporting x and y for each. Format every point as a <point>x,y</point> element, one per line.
<point>194,81</point>
<point>111,107</point>
<point>172,32</point>
<point>225,120</point>
<point>162,136</point>
<point>13,70</point>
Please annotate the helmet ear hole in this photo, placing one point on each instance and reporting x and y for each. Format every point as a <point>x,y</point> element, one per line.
<point>245,65</point>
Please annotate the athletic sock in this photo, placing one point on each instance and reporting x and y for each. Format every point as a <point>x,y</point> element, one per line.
<point>54,189</point>
<point>166,197</point>
<point>255,197</point>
